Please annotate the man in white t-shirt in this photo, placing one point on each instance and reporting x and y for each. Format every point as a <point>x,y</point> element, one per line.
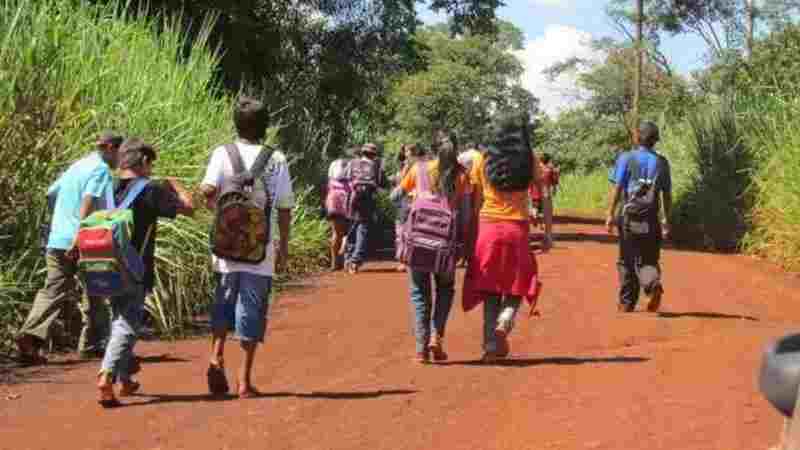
<point>242,296</point>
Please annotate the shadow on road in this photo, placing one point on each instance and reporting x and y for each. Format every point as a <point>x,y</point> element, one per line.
<point>559,361</point>
<point>188,398</point>
<point>705,315</point>
<point>164,358</point>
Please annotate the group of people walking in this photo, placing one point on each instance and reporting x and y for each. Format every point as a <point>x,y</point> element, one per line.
<point>495,193</point>
<point>472,206</point>
<point>246,184</point>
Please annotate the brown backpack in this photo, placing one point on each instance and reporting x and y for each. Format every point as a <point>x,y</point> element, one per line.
<point>241,229</point>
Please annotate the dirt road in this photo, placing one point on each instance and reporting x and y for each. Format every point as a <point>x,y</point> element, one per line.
<point>338,374</point>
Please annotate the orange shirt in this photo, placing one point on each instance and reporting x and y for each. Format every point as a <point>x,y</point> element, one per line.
<point>409,183</point>
<point>500,205</point>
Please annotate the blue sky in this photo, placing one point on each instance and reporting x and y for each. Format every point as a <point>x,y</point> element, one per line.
<point>558,29</point>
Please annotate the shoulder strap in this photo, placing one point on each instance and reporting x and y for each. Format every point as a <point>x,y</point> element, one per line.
<point>423,177</point>
<point>235,158</point>
<point>261,161</point>
<point>633,166</point>
<point>132,191</point>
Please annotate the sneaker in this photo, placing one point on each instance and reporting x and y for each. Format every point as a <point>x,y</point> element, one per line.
<point>655,299</point>
<point>503,347</point>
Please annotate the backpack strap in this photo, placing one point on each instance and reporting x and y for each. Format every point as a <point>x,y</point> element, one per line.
<point>423,177</point>
<point>260,165</point>
<point>235,158</point>
<point>132,191</point>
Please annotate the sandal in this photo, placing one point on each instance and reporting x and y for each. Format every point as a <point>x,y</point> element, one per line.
<point>105,393</point>
<point>248,392</point>
<point>129,388</point>
<point>422,358</point>
<point>436,349</point>
<point>217,382</point>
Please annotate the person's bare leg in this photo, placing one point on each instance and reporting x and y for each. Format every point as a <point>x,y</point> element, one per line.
<point>218,348</point>
<point>246,388</point>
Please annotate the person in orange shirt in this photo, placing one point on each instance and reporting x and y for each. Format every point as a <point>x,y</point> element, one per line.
<point>502,270</point>
<point>446,179</point>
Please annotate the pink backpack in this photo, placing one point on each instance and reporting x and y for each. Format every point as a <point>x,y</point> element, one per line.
<point>338,198</point>
<point>429,241</point>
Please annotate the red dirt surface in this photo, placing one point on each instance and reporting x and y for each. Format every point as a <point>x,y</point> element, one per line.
<point>337,372</point>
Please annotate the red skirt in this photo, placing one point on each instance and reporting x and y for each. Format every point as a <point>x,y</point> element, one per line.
<point>502,263</point>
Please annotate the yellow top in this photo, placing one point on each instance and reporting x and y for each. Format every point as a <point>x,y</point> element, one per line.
<point>500,205</point>
<point>409,183</point>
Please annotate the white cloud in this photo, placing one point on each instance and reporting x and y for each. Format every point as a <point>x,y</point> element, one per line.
<point>558,43</point>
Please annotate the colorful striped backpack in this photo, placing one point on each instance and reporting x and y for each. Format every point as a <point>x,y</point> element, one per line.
<point>109,264</point>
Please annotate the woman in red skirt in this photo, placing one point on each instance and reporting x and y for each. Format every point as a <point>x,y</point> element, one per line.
<point>502,269</point>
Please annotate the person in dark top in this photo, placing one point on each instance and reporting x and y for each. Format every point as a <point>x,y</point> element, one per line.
<point>364,211</point>
<point>157,200</point>
<point>640,250</point>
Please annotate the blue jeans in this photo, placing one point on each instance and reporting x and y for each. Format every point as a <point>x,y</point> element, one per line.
<point>430,317</point>
<point>126,318</point>
<point>241,303</point>
<point>498,312</point>
<point>356,248</point>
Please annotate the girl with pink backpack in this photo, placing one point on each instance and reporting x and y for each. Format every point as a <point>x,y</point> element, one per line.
<point>429,244</point>
<point>337,196</point>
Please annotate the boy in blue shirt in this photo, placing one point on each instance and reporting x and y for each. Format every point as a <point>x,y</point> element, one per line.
<point>640,241</point>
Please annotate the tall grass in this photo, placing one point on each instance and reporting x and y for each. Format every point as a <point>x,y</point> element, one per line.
<point>583,193</point>
<point>775,140</point>
<point>69,69</point>
<point>711,168</point>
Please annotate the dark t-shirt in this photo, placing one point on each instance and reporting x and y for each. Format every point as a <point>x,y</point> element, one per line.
<point>153,202</point>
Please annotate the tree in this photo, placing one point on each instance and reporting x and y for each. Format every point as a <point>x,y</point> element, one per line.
<point>607,86</point>
<point>720,23</point>
<point>467,79</point>
<point>478,16</point>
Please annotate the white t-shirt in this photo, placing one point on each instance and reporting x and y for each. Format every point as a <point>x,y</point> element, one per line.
<point>338,169</point>
<point>279,186</point>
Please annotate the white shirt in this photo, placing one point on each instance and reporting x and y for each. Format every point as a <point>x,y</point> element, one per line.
<point>338,169</point>
<point>279,186</point>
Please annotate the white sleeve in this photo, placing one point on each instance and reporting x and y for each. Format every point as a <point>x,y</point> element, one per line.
<point>214,171</point>
<point>332,169</point>
<point>284,194</point>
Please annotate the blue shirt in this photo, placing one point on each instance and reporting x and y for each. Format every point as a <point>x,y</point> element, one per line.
<point>652,165</point>
<point>89,176</point>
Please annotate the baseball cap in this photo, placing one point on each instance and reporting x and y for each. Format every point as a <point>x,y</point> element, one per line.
<point>133,153</point>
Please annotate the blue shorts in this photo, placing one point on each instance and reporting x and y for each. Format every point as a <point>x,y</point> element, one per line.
<point>241,303</point>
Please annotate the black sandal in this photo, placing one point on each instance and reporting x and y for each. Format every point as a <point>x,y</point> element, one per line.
<point>217,382</point>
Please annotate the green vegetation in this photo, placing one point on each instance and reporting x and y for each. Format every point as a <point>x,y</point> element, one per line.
<point>583,192</point>
<point>68,70</point>
<point>729,131</point>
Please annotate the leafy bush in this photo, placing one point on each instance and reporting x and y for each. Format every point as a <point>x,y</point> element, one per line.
<point>711,206</point>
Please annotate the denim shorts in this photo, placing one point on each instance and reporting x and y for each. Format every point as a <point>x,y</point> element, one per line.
<point>241,303</point>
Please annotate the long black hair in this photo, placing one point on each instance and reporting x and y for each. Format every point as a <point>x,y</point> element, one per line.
<point>449,168</point>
